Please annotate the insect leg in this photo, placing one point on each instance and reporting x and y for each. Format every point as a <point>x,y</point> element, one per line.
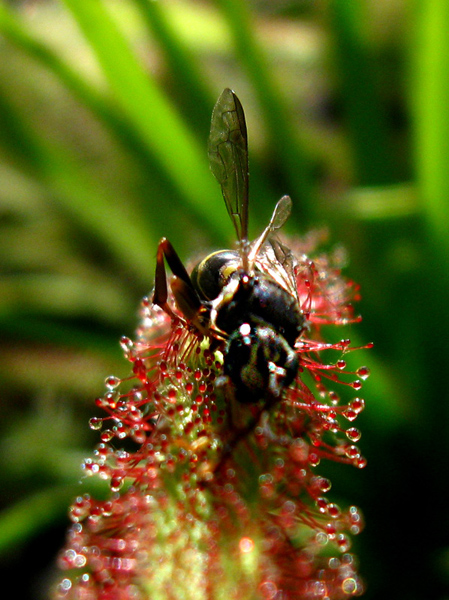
<point>186,297</point>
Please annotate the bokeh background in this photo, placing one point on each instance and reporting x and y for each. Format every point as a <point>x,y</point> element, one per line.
<point>104,115</point>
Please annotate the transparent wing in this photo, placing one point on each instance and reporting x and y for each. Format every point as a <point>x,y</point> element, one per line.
<point>270,255</point>
<point>228,156</point>
<point>279,262</point>
<point>280,215</point>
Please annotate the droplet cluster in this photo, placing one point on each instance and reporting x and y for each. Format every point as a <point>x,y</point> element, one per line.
<point>232,502</point>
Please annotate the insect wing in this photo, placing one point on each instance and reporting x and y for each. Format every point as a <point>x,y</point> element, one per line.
<point>278,261</point>
<point>280,215</point>
<point>228,156</point>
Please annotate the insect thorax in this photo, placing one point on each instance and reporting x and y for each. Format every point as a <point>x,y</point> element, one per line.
<point>259,301</point>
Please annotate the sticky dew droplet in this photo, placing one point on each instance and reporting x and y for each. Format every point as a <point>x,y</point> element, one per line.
<point>90,467</point>
<point>331,530</point>
<point>314,459</point>
<point>139,435</point>
<point>321,539</point>
<point>354,408</point>
<point>363,372</point>
<point>139,369</point>
<point>172,395</point>
<point>110,399</point>
<point>353,434</point>
<point>102,451</point>
<point>333,510</point>
<point>343,542</point>
<point>360,462</point>
<point>350,414</point>
<point>334,563</point>
<point>95,423</point>
<point>112,382</point>
<point>322,504</point>
<point>358,404</point>
<point>121,431</point>
<point>116,483</point>
<point>352,452</point>
<point>107,435</point>
<point>64,586</point>
<point>268,590</point>
<point>349,586</point>
<point>246,545</point>
<point>324,484</point>
<point>127,346</point>
<point>334,398</point>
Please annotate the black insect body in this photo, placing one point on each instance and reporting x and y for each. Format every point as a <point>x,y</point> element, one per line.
<point>246,300</point>
<point>211,275</point>
<point>259,363</point>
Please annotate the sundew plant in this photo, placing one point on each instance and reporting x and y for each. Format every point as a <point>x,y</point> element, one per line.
<point>228,412</point>
<point>208,455</point>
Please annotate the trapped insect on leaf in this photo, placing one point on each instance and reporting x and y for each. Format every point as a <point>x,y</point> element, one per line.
<point>212,444</point>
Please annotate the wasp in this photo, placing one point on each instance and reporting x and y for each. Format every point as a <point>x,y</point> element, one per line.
<point>245,301</point>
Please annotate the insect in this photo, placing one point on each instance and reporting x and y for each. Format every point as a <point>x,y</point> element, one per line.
<point>244,300</point>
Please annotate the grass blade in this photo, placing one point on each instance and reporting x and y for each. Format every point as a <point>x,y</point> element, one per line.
<point>70,186</point>
<point>366,119</point>
<point>291,159</point>
<point>187,79</point>
<point>178,152</point>
<point>430,101</point>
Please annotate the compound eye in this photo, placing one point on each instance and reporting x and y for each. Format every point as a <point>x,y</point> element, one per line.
<point>212,273</point>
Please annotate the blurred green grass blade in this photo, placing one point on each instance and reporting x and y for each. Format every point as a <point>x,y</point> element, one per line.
<point>173,144</point>
<point>32,515</point>
<point>42,509</point>
<point>366,119</point>
<point>430,100</point>
<point>22,327</point>
<point>397,201</point>
<point>172,26</point>
<point>291,159</point>
<point>105,111</point>
<point>17,33</point>
<point>67,295</point>
<point>71,187</point>
<point>188,80</point>
<point>99,104</point>
<point>38,355</point>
